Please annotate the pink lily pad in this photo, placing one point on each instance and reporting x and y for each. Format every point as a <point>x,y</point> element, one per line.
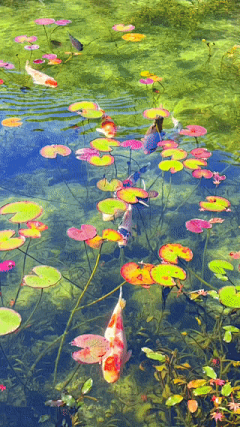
<point>105,160</point>
<point>113,185</point>
<point>215,204</point>
<point>194,163</point>
<point>147,81</point>
<point>8,243</point>
<point>170,165</point>
<point>94,347</point>
<point>193,130</point>
<point>201,153</point>
<point>104,144</point>
<point>132,194</point>
<point>133,144</point>
<point>86,232</point>
<point>152,113</point>
<point>23,211</point>
<point>44,21</point>
<point>165,274</point>
<point>175,153</point>
<point>197,225</point>
<point>122,27</point>
<point>205,173</point>
<point>167,143</point>
<point>51,151</point>
<point>86,153</point>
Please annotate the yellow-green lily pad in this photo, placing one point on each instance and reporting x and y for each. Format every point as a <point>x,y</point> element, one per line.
<point>8,243</point>
<point>132,194</point>
<point>105,160</point>
<point>215,204</point>
<point>91,114</point>
<point>170,165</point>
<point>174,399</point>
<point>194,163</point>
<point>113,185</point>
<point>175,153</point>
<point>104,144</point>
<point>230,296</point>
<point>112,206</point>
<point>164,274</point>
<point>218,266</point>
<point>9,320</point>
<point>43,277</point>
<point>23,211</point>
<point>83,105</point>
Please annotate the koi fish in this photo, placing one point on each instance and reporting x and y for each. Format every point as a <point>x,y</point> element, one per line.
<point>109,351</point>
<point>153,136</point>
<point>7,265</point>
<point>125,227</point>
<point>134,177</point>
<point>40,78</point>
<point>75,43</point>
<point>108,127</point>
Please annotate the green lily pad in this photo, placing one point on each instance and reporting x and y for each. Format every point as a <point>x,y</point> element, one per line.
<point>209,372</point>
<point>9,320</point>
<point>105,160</point>
<point>87,386</point>
<point>170,165</point>
<point>164,274</point>
<point>194,163</point>
<point>175,153</point>
<point>23,211</point>
<point>112,206</point>
<point>83,105</point>
<point>104,144</point>
<point>219,266</point>
<point>91,114</point>
<point>174,400</point>
<point>155,355</point>
<point>226,389</point>
<point>44,277</point>
<point>171,251</point>
<point>230,296</point>
<point>227,337</point>
<point>231,328</point>
<point>7,242</point>
<point>201,391</point>
<point>132,194</point>
<point>113,185</point>
<point>215,204</point>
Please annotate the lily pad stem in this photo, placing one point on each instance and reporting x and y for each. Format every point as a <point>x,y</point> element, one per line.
<point>204,251</point>
<point>24,264</point>
<point>103,297</point>
<point>31,315</point>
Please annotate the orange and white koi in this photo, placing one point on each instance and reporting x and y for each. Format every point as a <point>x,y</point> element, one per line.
<point>40,78</point>
<point>114,360</point>
<point>108,127</point>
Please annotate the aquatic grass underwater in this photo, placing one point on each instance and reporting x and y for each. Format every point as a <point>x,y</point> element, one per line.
<point>74,241</point>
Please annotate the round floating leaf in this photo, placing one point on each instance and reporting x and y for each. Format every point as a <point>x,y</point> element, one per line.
<point>95,242</point>
<point>227,337</point>
<point>192,405</point>
<point>164,274</point>
<point>215,204</point>
<point>209,372</point>
<point>230,296</point>
<point>83,105</point>
<point>170,165</point>
<point>231,328</point>
<point>175,153</point>
<point>112,207</point>
<point>133,144</point>
<point>104,144</point>
<point>51,151</point>
<point>194,163</point>
<point>9,320</point>
<point>12,122</point>
<point>155,355</point>
<point>226,389</point>
<point>84,233</point>
<point>136,274</point>
<point>105,160</point>
<point>202,173</point>
<point>174,400</point>
<point>111,235</point>
<point>132,194</point>
<point>219,266</point>
<point>201,391</point>
<point>197,225</point>
<point>201,153</point>
<point>91,114</point>
<point>8,243</point>
<point>152,113</point>
<point>94,347</point>
<point>43,277</point>
<point>34,229</point>
<point>23,211</point>
<point>87,386</point>
<point>172,251</point>
<point>196,383</point>
<point>113,185</point>
<point>167,143</point>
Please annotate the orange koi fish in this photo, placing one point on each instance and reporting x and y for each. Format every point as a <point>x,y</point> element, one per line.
<point>115,359</point>
<point>40,78</point>
<point>108,127</point>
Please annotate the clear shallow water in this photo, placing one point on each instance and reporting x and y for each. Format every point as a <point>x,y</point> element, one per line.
<point>199,90</point>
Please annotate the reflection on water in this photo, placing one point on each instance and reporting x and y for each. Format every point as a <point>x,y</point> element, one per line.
<point>177,253</point>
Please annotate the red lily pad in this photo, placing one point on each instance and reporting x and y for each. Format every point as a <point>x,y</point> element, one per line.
<point>132,194</point>
<point>175,153</point>
<point>193,130</point>
<point>8,243</point>
<point>133,144</point>
<point>202,173</point>
<point>9,320</point>
<point>194,163</point>
<point>86,232</point>
<point>137,274</point>
<point>104,144</point>
<point>83,105</point>
<point>111,235</point>
<point>171,251</point>
<point>167,143</point>
<point>94,347</point>
<point>197,225</point>
<point>170,165</point>
<point>201,153</point>
<point>164,274</point>
<point>113,185</point>
<point>105,160</point>
<point>23,211</point>
<point>215,204</point>
<point>34,229</point>
<point>112,207</point>
<point>43,276</point>
<point>152,113</point>
<point>51,151</point>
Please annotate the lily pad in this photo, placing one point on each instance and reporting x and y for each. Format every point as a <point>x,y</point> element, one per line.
<point>132,194</point>
<point>9,320</point>
<point>12,122</point>
<point>111,235</point>
<point>215,204</point>
<point>209,372</point>
<point>174,400</point>
<point>201,153</point>
<point>23,211</point>
<point>94,347</point>
<point>43,277</point>
<point>105,160</point>
<point>95,242</point>
<point>8,243</point>
<point>152,113</point>
<point>113,185</point>
<point>137,274</point>
<point>164,274</point>
<point>196,383</point>
<point>91,114</point>
<point>227,389</point>
<point>196,225</point>
<point>112,207</point>
<point>83,105</point>
<point>34,229</point>
<point>84,233</point>
<point>51,151</point>
<point>230,296</point>
<point>194,163</point>
<point>171,251</point>
<point>87,386</point>
<point>167,143</point>
<point>175,153</point>
<point>104,144</point>
<point>201,391</point>
<point>170,165</point>
<point>219,266</point>
<point>155,355</point>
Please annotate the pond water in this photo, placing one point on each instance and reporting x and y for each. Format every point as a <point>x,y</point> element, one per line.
<point>153,216</point>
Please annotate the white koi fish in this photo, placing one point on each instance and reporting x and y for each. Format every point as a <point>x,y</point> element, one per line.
<point>125,227</point>
<point>40,78</point>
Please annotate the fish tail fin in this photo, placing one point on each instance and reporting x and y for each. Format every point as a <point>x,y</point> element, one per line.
<point>122,301</point>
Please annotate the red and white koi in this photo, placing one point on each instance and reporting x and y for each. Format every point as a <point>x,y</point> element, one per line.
<point>125,227</point>
<point>108,127</point>
<point>115,359</point>
<point>40,78</point>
